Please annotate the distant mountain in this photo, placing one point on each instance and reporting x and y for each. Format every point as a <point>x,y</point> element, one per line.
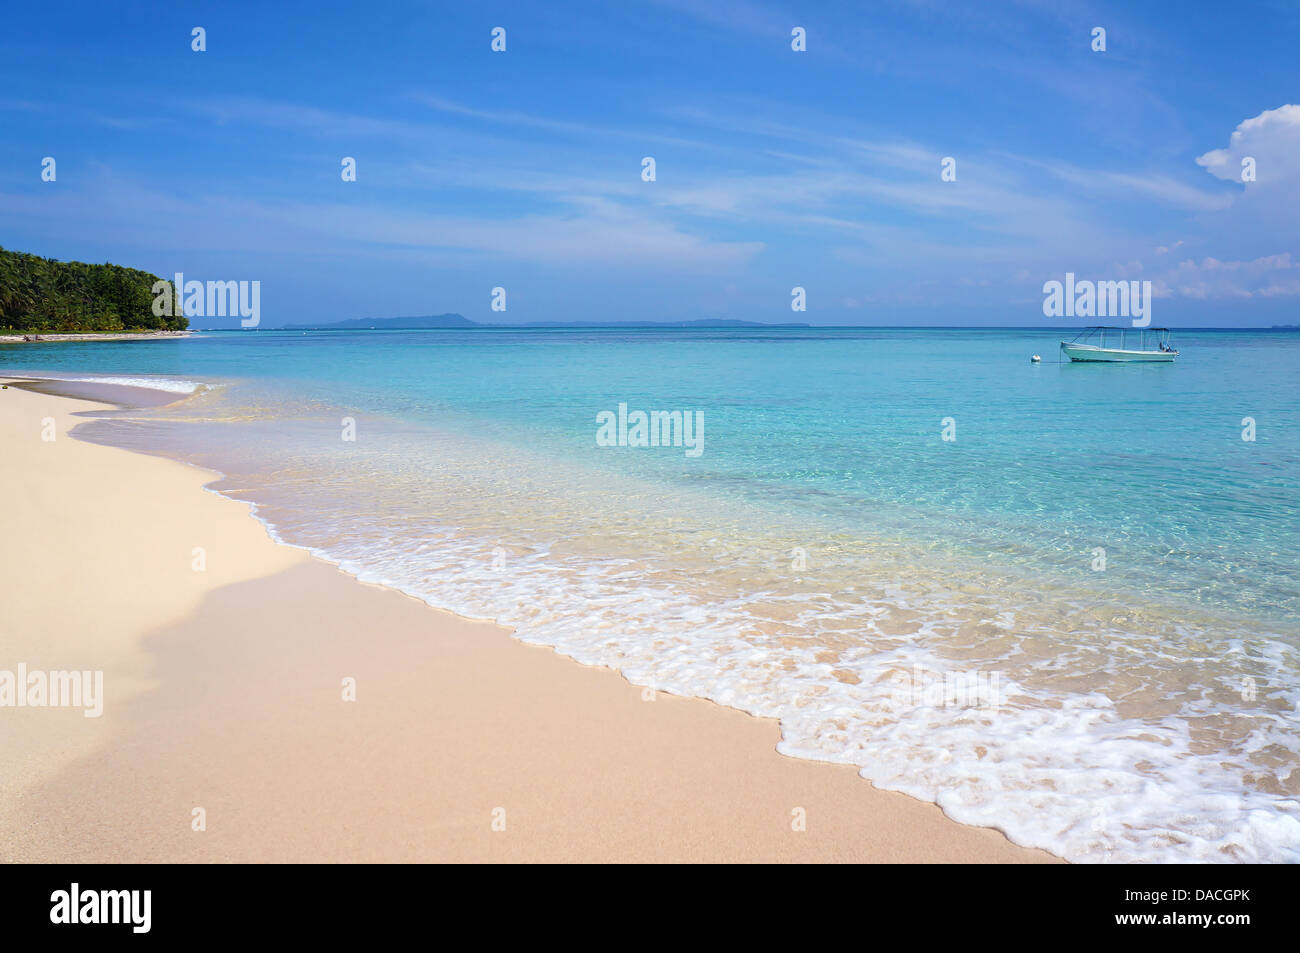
<point>451,320</point>
<point>365,324</point>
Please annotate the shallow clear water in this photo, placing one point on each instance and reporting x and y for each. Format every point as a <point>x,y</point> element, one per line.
<point>1100,566</point>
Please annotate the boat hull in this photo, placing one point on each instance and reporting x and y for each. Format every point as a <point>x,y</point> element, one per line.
<point>1113,355</point>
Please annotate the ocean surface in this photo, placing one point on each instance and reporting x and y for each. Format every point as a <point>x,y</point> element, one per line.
<point>1060,600</point>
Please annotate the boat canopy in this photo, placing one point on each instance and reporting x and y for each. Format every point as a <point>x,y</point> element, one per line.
<point>1118,336</point>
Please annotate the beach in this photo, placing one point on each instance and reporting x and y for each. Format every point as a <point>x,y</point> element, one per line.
<point>38,337</point>
<point>296,714</point>
<point>1079,635</point>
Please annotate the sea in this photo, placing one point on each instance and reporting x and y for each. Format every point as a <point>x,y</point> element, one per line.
<point>1060,600</point>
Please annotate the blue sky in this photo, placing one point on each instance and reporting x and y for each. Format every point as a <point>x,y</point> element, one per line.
<point>774,168</point>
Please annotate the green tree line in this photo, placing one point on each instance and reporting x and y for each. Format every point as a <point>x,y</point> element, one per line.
<point>45,295</point>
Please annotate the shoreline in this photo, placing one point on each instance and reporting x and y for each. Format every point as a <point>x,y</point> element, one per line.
<point>223,692</point>
<point>38,337</point>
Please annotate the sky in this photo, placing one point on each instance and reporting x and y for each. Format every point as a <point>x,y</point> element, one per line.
<point>774,168</point>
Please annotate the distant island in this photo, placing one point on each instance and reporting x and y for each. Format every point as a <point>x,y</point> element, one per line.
<point>45,295</point>
<point>452,320</point>
<point>427,322</point>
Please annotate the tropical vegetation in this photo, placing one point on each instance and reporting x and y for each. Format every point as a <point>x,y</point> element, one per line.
<point>44,295</point>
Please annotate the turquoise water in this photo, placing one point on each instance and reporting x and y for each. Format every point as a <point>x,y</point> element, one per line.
<point>1098,540</point>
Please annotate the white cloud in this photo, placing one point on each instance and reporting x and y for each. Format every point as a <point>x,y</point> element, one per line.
<point>1272,139</point>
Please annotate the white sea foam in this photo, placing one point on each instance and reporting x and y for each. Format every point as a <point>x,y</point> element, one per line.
<point>171,385</point>
<point>1051,769</point>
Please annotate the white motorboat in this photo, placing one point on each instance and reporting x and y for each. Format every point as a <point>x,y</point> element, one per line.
<point>1120,345</point>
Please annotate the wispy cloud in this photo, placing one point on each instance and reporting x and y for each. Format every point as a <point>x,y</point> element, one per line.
<point>821,167</point>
